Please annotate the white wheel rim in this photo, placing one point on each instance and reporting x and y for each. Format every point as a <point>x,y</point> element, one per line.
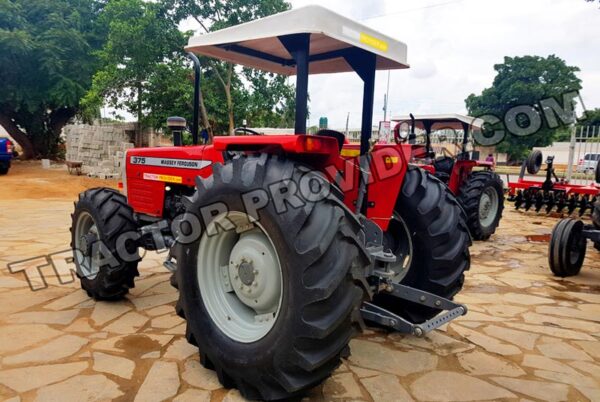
<point>240,277</point>
<point>87,265</point>
<point>488,207</point>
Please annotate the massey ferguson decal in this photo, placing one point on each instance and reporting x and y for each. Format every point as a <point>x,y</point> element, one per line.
<point>169,162</point>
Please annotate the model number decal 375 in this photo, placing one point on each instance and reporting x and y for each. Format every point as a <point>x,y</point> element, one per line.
<point>170,162</point>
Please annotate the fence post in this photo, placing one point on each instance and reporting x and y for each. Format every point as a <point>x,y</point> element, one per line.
<point>571,152</point>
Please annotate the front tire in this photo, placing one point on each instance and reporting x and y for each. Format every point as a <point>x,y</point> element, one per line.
<point>482,198</point>
<point>431,223</point>
<point>295,339</point>
<point>106,263</point>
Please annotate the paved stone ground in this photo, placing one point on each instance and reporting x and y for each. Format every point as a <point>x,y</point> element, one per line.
<point>528,336</point>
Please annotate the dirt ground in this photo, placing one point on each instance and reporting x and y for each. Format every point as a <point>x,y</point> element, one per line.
<point>527,336</point>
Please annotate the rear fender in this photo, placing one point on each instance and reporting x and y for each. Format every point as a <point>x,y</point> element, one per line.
<point>388,168</point>
<point>460,173</point>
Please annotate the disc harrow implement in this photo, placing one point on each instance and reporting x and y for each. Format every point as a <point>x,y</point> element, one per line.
<point>551,201</point>
<point>553,195</point>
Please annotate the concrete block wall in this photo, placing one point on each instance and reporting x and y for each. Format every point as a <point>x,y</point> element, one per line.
<point>99,147</point>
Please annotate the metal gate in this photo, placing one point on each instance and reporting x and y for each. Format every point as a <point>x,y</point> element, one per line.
<point>584,154</point>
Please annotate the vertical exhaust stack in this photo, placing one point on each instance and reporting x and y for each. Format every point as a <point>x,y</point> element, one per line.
<point>177,125</point>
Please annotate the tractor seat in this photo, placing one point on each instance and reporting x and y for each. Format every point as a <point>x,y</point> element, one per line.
<point>444,164</point>
<point>341,138</point>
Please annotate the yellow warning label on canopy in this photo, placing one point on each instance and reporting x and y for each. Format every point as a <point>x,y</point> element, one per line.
<point>373,42</point>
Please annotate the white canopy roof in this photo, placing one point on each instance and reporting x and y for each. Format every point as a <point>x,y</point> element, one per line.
<point>443,121</point>
<point>329,32</point>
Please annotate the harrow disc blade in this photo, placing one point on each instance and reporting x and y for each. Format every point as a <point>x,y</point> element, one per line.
<point>518,199</point>
<point>572,204</point>
<point>550,202</point>
<point>584,204</point>
<point>561,204</point>
<point>539,202</point>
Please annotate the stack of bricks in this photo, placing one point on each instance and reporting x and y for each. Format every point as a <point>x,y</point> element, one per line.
<point>100,148</point>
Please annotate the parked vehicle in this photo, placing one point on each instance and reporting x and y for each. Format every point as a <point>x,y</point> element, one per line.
<point>6,155</point>
<point>283,245</point>
<point>588,163</point>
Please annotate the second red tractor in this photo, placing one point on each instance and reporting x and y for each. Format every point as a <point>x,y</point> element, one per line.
<point>478,188</point>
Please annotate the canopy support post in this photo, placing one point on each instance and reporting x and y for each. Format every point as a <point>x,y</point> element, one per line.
<point>364,63</point>
<point>195,118</point>
<point>464,154</point>
<point>298,46</point>
<point>427,124</point>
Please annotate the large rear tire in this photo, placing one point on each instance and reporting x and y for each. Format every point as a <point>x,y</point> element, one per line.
<point>567,247</point>
<point>106,263</point>
<point>308,297</point>
<point>482,198</point>
<point>431,241</point>
<point>596,219</point>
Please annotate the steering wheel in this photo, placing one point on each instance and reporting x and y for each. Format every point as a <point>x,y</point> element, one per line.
<point>246,130</point>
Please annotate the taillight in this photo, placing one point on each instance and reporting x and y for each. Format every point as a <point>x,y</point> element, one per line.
<point>9,147</point>
<point>123,182</point>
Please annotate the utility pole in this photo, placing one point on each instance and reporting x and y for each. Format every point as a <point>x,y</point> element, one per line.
<point>572,144</point>
<point>386,98</point>
<point>347,121</point>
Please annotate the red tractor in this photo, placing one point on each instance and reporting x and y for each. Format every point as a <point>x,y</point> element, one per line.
<point>480,192</point>
<point>282,246</point>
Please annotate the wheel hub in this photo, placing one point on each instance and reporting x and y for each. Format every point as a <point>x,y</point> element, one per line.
<point>254,273</point>
<point>246,273</point>
<point>86,242</point>
<point>485,206</point>
<point>488,207</point>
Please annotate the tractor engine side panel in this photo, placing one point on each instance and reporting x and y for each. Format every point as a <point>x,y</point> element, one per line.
<point>150,170</point>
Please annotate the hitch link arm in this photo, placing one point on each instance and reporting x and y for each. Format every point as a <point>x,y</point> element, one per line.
<point>386,318</point>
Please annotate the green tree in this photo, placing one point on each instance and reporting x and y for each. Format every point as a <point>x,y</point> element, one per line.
<point>269,102</point>
<point>218,14</point>
<point>142,54</point>
<point>46,59</point>
<point>592,118</point>
<point>520,81</point>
